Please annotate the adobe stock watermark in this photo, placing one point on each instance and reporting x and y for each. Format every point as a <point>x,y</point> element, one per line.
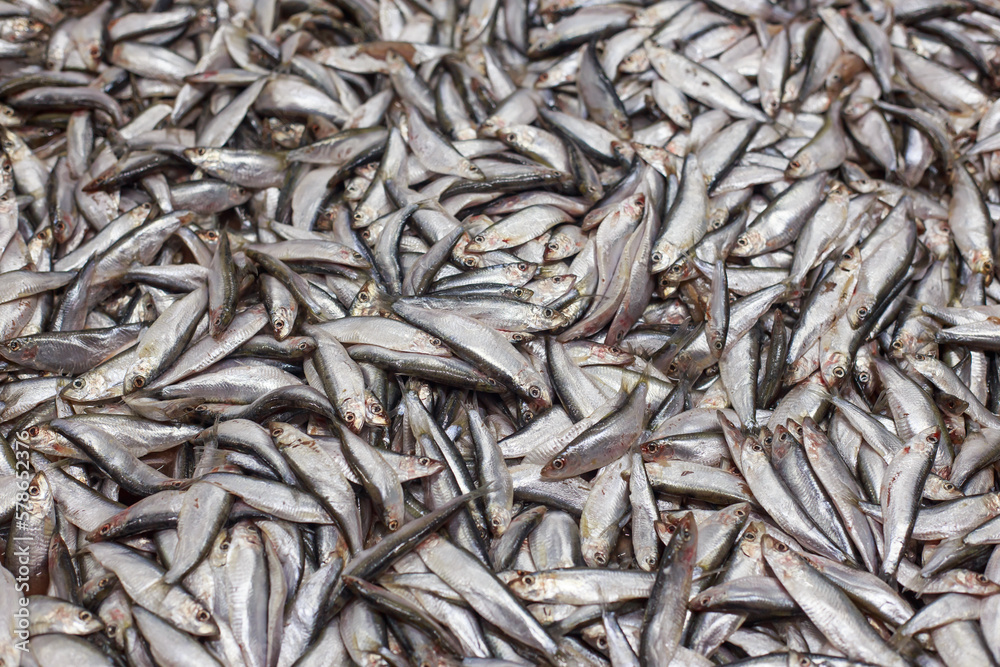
<point>18,557</point>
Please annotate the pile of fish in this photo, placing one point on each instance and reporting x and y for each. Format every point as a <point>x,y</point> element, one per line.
<point>499,332</point>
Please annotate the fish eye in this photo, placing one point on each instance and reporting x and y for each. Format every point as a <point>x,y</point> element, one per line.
<point>862,312</point>
<point>534,392</point>
<point>948,486</point>
<point>480,239</point>
<point>740,513</point>
<point>392,525</point>
<point>303,345</point>
<point>839,372</point>
<point>528,580</point>
<point>201,151</point>
<point>982,579</point>
<point>277,324</point>
<point>864,377</point>
<point>558,463</point>
<point>782,547</point>
<point>224,546</point>
<point>750,536</point>
<point>203,616</point>
<point>742,241</point>
<point>33,431</point>
<point>111,630</point>
<point>424,461</point>
<point>933,439</point>
<point>521,266</point>
<point>377,409</point>
<point>78,383</point>
<point>548,312</point>
<point>362,296</point>
<point>350,417</point>
<point>600,558</point>
<point>496,522</point>
<point>85,615</point>
<point>469,261</point>
<point>139,381</point>
<point>757,448</point>
<point>33,490</point>
<point>553,246</point>
<point>13,346</point>
<point>435,342</point>
<point>105,529</point>
<point>717,345</point>
<point>277,431</point>
<point>656,256</point>
<point>897,344</point>
<point>602,642</point>
<point>921,357</point>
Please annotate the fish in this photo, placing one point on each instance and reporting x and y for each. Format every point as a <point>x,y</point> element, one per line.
<point>575,332</point>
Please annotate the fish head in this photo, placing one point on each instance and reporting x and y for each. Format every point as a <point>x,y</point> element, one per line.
<point>558,247</point>
<point>499,519</point>
<point>862,306</point>
<point>749,244</point>
<point>834,367</point>
<point>19,350</point>
<point>137,377</point>
<point>374,412</point>
<point>656,450</point>
<point>782,442</point>
<point>282,321</point>
<point>534,586</point>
